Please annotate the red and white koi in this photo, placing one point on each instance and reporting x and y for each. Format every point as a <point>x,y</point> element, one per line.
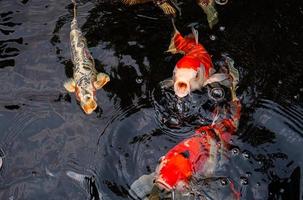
<point>199,153</point>
<point>86,80</point>
<point>195,69</point>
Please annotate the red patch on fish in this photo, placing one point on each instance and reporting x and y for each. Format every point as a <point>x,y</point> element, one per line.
<point>182,161</point>
<point>191,155</point>
<point>195,54</point>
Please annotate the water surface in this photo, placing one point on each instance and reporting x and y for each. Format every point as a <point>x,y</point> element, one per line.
<point>49,144</point>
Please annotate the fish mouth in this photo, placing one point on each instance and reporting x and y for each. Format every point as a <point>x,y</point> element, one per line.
<point>181,88</point>
<point>89,106</point>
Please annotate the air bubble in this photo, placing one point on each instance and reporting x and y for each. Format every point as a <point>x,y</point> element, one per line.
<point>34,173</point>
<point>235,151</point>
<point>280,82</point>
<point>223,181</point>
<point>243,180</point>
<point>248,174</point>
<point>221,2</point>
<point>179,107</point>
<point>173,121</point>
<point>139,80</point>
<point>246,155</point>
<point>212,37</point>
<point>216,94</point>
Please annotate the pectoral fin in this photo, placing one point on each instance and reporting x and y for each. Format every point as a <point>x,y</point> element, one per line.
<point>219,77</point>
<point>102,79</point>
<point>167,83</point>
<point>70,85</point>
<point>142,187</point>
<point>195,34</point>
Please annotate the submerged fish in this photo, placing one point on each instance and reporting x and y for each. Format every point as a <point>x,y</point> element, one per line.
<point>197,155</point>
<point>169,7</point>
<point>195,69</point>
<point>86,80</point>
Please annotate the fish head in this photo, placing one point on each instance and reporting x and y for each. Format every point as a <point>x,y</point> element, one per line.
<point>87,98</point>
<point>173,172</point>
<point>185,81</point>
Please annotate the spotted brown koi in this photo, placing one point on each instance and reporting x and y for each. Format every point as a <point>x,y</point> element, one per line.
<point>86,80</point>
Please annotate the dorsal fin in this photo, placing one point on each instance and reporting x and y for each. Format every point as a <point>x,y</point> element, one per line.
<point>195,34</point>
<point>174,25</point>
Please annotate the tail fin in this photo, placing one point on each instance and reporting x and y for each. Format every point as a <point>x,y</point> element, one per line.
<point>210,11</point>
<point>180,44</point>
<point>174,25</point>
<point>75,8</point>
<point>172,48</point>
<point>174,3</point>
<point>74,22</point>
<point>167,8</point>
<point>133,2</point>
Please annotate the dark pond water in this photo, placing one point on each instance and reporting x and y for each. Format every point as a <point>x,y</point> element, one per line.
<point>46,139</point>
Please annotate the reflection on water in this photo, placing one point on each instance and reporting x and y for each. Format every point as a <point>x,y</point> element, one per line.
<point>8,48</point>
<point>52,150</point>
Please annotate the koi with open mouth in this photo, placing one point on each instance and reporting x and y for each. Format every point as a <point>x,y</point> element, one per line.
<point>195,69</point>
<point>196,155</point>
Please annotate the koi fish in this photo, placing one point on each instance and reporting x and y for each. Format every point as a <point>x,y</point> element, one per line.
<point>86,80</point>
<point>195,69</point>
<point>170,7</point>
<point>197,154</point>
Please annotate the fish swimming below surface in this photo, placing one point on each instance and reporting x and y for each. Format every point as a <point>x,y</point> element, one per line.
<point>170,7</point>
<point>192,157</point>
<point>86,80</point>
<point>195,69</point>
<point>195,156</point>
